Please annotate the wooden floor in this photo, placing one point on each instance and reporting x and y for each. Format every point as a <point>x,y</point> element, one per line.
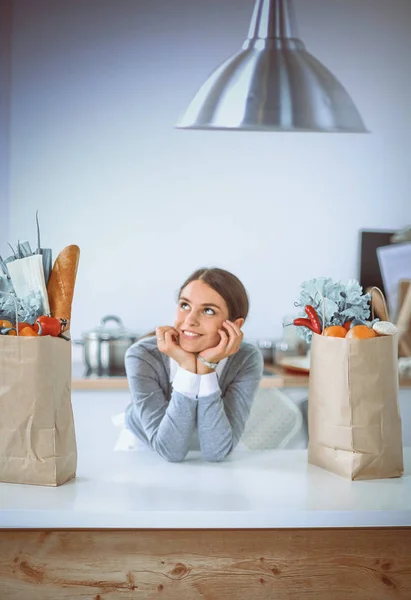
<point>283,564</point>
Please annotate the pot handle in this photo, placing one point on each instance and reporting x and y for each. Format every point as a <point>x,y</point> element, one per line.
<point>119,322</point>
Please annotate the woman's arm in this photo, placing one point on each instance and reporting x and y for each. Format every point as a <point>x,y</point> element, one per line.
<point>221,420</point>
<point>167,426</point>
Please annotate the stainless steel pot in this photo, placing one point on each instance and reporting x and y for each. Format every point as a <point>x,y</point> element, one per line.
<point>105,347</point>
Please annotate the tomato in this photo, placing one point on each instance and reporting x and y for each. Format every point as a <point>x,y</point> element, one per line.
<point>49,326</point>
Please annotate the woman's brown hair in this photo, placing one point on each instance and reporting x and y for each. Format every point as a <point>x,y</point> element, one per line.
<point>227,285</point>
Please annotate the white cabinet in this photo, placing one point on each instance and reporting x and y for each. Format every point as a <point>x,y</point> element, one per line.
<point>94,418</point>
<point>93,413</point>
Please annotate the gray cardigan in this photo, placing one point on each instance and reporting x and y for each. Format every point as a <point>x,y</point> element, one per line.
<point>166,420</point>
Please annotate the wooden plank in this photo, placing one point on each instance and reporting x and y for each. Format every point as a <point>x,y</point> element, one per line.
<point>104,383</point>
<point>120,383</point>
<point>288,378</point>
<point>280,379</point>
<point>283,564</point>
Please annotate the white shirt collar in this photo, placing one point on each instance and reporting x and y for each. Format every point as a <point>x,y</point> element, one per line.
<point>174,367</point>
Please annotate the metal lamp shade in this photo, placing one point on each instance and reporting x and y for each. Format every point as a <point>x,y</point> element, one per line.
<point>273,84</point>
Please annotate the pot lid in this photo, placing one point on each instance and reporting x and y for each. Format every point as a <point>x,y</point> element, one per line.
<point>113,332</point>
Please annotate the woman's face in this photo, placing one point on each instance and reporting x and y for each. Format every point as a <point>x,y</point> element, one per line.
<point>200,314</point>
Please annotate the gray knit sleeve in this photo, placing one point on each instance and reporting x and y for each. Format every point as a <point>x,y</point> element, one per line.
<point>166,427</point>
<point>221,420</point>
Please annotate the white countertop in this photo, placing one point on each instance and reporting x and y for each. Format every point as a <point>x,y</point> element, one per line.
<point>264,489</point>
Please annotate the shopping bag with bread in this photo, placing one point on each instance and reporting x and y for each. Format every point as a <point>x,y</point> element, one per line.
<point>354,422</point>
<point>37,435</point>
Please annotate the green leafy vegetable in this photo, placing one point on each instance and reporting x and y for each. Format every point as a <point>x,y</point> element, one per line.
<point>337,301</point>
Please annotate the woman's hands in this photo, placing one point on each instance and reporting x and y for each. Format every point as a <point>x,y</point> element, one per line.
<point>231,338</point>
<point>167,342</point>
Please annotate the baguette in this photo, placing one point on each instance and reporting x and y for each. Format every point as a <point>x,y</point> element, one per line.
<point>60,287</point>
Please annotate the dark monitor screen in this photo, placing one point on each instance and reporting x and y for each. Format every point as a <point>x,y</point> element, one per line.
<point>369,267</point>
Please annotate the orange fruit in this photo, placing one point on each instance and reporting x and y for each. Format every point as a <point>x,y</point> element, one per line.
<point>12,332</point>
<point>28,331</point>
<point>23,325</point>
<point>335,331</point>
<point>360,332</point>
<point>5,324</point>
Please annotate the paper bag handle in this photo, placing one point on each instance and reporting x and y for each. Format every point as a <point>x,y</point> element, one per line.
<point>383,302</point>
<point>16,309</point>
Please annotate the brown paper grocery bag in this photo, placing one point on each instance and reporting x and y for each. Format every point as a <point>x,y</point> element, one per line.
<point>37,437</point>
<point>354,421</point>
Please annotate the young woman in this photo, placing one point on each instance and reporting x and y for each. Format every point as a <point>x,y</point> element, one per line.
<point>192,385</point>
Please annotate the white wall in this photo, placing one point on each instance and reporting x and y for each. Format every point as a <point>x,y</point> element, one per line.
<point>97,87</point>
<point>5,85</point>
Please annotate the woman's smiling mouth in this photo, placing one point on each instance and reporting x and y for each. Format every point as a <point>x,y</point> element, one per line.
<point>190,335</point>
